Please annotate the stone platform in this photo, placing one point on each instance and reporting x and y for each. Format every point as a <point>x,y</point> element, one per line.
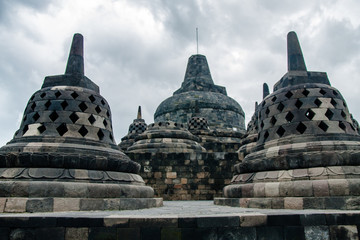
<point>184,220</point>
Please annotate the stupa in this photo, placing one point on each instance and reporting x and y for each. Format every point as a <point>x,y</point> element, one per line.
<point>307,152</point>
<point>137,127</point>
<point>64,157</point>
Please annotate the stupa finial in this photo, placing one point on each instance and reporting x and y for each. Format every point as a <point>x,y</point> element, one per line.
<point>265,90</point>
<point>139,113</point>
<point>75,64</point>
<point>295,57</point>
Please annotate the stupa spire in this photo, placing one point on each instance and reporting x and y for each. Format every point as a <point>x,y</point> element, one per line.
<point>265,90</point>
<point>295,57</point>
<point>139,113</point>
<point>75,64</point>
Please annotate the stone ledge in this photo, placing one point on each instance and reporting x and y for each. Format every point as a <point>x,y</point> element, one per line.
<point>21,205</point>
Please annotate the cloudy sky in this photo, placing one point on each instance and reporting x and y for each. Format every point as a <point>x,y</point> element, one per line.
<point>137,50</point>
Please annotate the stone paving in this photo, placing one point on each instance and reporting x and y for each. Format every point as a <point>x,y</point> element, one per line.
<point>173,209</point>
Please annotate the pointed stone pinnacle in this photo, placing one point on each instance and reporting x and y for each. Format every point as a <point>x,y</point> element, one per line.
<point>295,57</point>
<point>75,64</point>
<point>265,90</point>
<point>139,113</point>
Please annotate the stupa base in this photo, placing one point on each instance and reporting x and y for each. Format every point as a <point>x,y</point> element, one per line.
<point>55,204</point>
<point>338,203</point>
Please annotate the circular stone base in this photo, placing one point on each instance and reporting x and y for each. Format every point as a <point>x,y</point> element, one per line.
<point>338,203</point>
<point>19,205</point>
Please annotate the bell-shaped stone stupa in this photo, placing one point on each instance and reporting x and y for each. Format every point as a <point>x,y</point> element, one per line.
<point>307,153</point>
<point>64,157</point>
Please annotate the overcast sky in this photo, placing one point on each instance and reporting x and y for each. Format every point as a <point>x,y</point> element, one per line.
<point>137,50</point>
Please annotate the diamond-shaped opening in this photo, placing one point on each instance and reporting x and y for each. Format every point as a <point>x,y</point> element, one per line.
<point>335,93</point>
<point>36,116</point>
<point>323,126</point>
<point>32,97</point>
<point>274,99</point>
<point>64,104</point>
<point>92,98</point>
<point>345,106</point>
<point>42,95</point>
<point>91,119</point>
<point>305,92</point>
<point>25,129</point>
<point>83,131</point>
<point>62,129</point>
<point>329,114</point>
<point>310,114</point>
<point>343,114</point>
<point>266,135</point>
<point>25,117</point>
<point>263,103</point>
<point>41,128</point>
<point>301,128</point>
<point>280,107</point>
<point>267,111</point>
<point>289,94</point>
<point>280,131</point>
<point>262,124</point>
<point>33,106</point>
<point>352,127</point>
<point>98,109</point>
<point>105,123</point>
<point>322,91</point>
<point>107,114</point>
<point>298,104</point>
<point>289,117</point>
<point>73,117</point>
<point>333,102</point>
<point>102,102</point>
<point>317,102</point>
<point>48,104</point>
<point>342,126</point>
<point>57,94</point>
<point>74,95</point>
<point>111,137</point>
<point>83,106</point>
<point>273,120</point>
<point>53,116</point>
<point>100,134</point>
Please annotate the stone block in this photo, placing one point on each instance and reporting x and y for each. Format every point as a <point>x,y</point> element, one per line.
<point>269,233</point>
<point>149,233</point>
<point>40,205</point>
<point>344,232</point>
<point>316,232</point>
<point>100,233</point>
<point>91,204</point>
<point>259,190</point>
<point>293,203</point>
<point>171,233</point>
<point>157,175</point>
<point>171,175</point>
<point>76,233</point>
<point>66,204</point>
<point>338,187</point>
<point>259,203</point>
<point>2,204</point>
<point>15,205</point>
<point>321,188</point>
<point>218,221</point>
<point>303,189</point>
<point>272,189</point>
<point>253,220</point>
<point>294,233</point>
<point>57,233</point>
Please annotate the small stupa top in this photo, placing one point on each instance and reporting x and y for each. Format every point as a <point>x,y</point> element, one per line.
<point>74,73</point>
<point>297,72</point>
<point>198,77</point>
